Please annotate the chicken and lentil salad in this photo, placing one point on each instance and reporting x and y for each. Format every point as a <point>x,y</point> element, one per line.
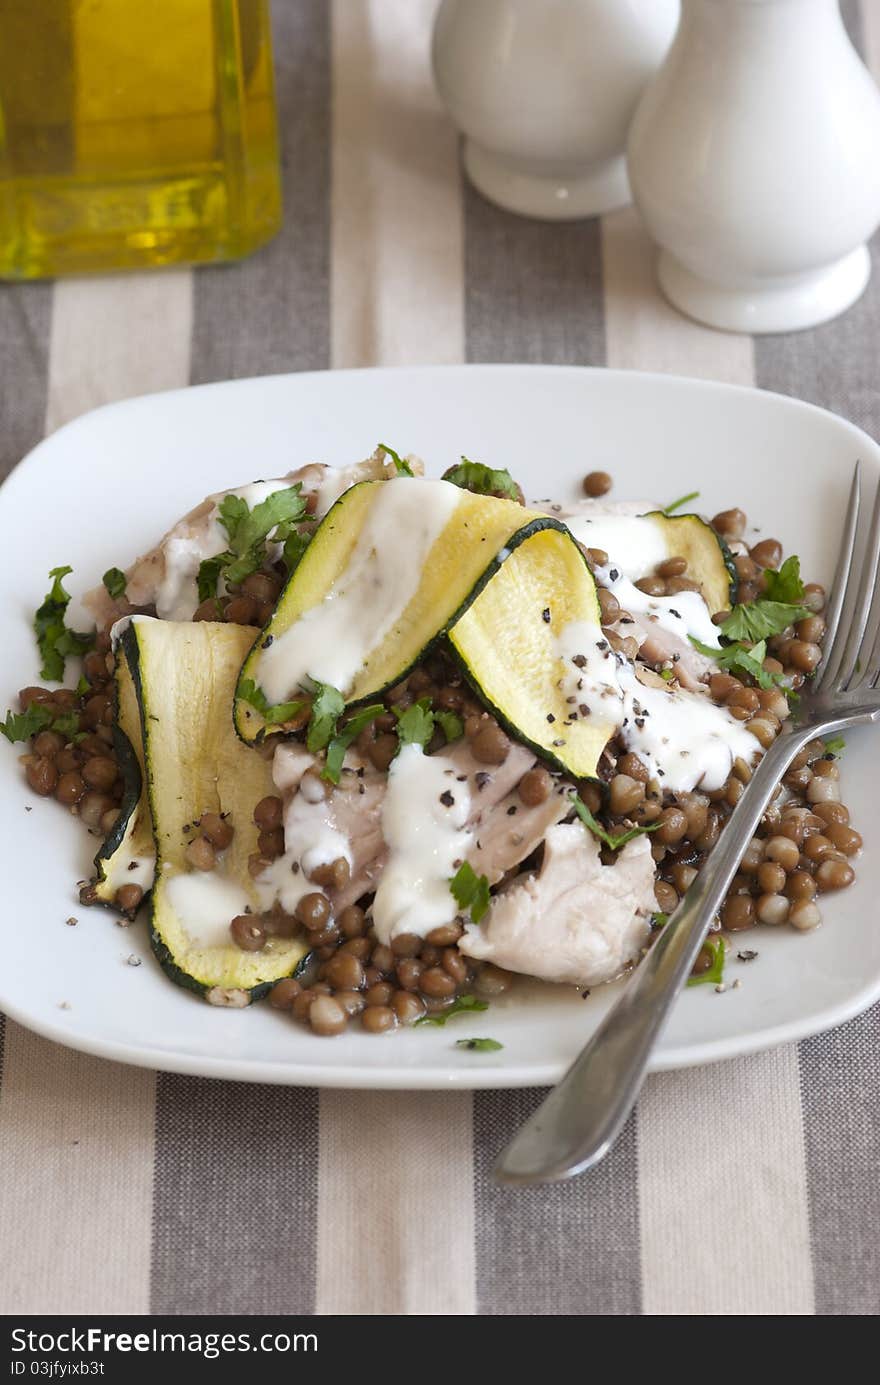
<point>372,744</point>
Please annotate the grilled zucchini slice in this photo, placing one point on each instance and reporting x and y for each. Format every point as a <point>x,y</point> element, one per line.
<point>458,563</point>
<point>710,562</point>
<point>184,676</point>
<point>507,642</point>
<point>128,855</point>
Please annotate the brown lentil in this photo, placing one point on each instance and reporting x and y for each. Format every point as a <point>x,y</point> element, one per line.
<point>490,745</point>
<point>491,980</point>
<point>834,875</point>
<point>92,807</point>
<point>284,993</point>
<point>218,830</point>
<point>784,851</point>
<point>666,896</point>
<point>327,1017</point>
<point>42,775</point>
<point>772,908</point>
<point>352,922</point>
<point>597,483</point>
<point>624,794</point>
<point>248,933</point>
<point>730,524</point>
<point>383,960</point>
<point>378,1019</point>
<point>382,751</point>
<point>313,911</point>
<point>535,786</point>
<point>843,838</point>
<point>771,877</point>
<point>344,972</point>
<point>352,1002</point>
<point>409,973</point>
<point>128,898</point>
<point>406,945</point>
<point>767,553</point>
<point>407,1007</point>
<point>737,912</point>
<point>800,885</point>
<point>445,935</point>
<point>357,947</point>
<point>804,915</point>
<point>437,983</point>
<point>200,854</point>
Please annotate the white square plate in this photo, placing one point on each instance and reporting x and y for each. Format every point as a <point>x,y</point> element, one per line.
<point>105,487</point>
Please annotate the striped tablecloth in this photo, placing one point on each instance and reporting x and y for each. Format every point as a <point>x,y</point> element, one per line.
<point>746,1188</point>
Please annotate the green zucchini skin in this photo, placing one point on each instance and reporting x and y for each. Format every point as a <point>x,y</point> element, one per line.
<point>531,527</point>
<point>183,676</point>
<point>165,958</point>
<point>130,838</point>
<point>724,552</point>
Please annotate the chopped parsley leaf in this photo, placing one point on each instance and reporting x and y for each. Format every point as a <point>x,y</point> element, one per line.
<point>835,745</point>
<point>470,891</point>
<point>785,585</point>
<point>21,726</point>
<point>248,530</point>
<point>272,715</point>
<point>328,704</point>
<point>114,581</point>
<point>715,948</point>
<point>682,500</point>
<point>483,480</point>
<point>54,640</point>
<point>463,1004</point>
<point>451,725</point>
<point>759,619</point>
<point>344,737</point>
<point>295,546</point>
<point>415,725</point>
<point>403,467</point>
<point>209,575</point>
<point>479,1045</point>
<point>614,842</point>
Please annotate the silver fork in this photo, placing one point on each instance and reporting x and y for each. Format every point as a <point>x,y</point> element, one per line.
<point>579,1121</point>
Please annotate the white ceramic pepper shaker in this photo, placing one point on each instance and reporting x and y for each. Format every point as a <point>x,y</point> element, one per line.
<point>544,91</point>
<point>754,158</point>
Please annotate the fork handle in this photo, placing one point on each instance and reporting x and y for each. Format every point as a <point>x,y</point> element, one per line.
<point>577,1123</point>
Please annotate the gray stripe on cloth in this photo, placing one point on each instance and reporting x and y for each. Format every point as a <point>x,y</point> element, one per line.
<point>841,1101</point>
<point>565,1248</point>
<point>234,1225</point>
<point>235,1198</point>
<point>25,322</point>
<point>835,365</point>
<point>533,289</point>
<point>269,314</point>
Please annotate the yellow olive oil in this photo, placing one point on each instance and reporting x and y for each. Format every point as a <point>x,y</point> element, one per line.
<point>134,133</point>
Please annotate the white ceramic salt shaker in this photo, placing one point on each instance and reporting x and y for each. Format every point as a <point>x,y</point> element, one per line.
<point>754,158</point>
<point>544,91</point>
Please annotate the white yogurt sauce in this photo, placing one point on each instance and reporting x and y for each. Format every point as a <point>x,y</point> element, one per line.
<point>634,543</point>
<point>206,903</point>
<point>177,596</point>
<point>683,614</point>
<point>683,738</point>
<point>331,642</point>
<point>427,840</point>
<point>310,840</point>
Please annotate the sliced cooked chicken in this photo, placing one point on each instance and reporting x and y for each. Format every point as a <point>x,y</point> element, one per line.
<point>576,920</point>
<point>354,810</point>
<point>166,576</point>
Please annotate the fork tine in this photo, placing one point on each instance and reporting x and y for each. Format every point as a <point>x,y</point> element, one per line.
<point>839,583</point>
<point>854,655</point>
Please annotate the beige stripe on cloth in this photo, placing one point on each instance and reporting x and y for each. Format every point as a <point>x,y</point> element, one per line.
<point>76,1133</point>
<point>389,1160</point>
<point>722,1174</point>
